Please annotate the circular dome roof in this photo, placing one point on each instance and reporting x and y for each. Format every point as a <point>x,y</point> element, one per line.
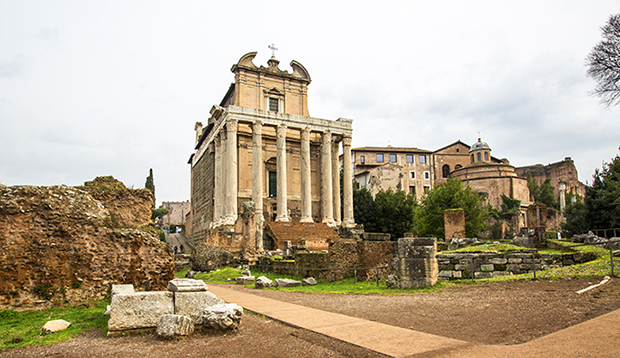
<point>479,145</point>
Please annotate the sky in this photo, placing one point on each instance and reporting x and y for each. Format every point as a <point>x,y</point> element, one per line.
<point>93,88</point>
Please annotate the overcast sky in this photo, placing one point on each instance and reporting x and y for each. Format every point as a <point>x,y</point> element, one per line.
<point>91,88</point>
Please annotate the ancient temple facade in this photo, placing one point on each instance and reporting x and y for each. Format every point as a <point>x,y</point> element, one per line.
<point>261,157</point>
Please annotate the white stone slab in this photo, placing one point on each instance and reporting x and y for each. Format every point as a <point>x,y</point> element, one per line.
<point>139,309</point>
<point>187,285</point>
<point>192,304</point>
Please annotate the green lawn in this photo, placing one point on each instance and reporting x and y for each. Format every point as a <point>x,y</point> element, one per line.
<point>18,329</point>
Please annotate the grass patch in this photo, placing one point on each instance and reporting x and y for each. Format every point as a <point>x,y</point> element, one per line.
<point>19,329</point>
<point>346,286</point>
<point>182,272</point>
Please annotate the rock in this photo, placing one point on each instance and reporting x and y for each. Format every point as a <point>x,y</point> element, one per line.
<point>187,285</point>
<point>246,273</point>
<point>392,282</point>
<point>172,325</point>
<point>245,280</point>
<point>192,304</point>
<point>122,289</point>
<point>107,311</point>
<point>222,317</point>
<point>263,282</point>
<point>55,326</point>
<point>308,281</point>
<point>287,282</point>
<point>139,310</point>
<point>191,274</point>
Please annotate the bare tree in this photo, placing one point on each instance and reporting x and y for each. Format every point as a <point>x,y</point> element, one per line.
<point>604,63</point>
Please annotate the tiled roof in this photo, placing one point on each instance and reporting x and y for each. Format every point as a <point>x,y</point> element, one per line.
<point>390,149</point>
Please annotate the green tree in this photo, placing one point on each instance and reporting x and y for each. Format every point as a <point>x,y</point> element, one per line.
<point>364,208</point>
<point>576,215</point>
<point>394,212</point>
<point>543,194</point>
<point>603,197</point>
<point>150,185</point>
<point>453,194</point>
<point>604,63</point>
<point>158,213</point>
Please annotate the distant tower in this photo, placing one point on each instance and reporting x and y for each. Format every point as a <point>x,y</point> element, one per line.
<point>480,152</point>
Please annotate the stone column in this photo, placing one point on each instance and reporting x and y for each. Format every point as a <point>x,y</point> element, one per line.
<point>231,172</point>
<point>217,168</point>
<point>282,214</point>
<point>336,181</point>
<point>257,180</point>
<point>221,184</point>
<point>306,187</point>
<point>327,204</point>
<point>562,188</point>
<point>347,183</point>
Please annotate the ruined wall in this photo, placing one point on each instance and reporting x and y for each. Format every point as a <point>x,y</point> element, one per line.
<point>127,207</point>
<point>58,244</point>
<point>454,224</point>
<point>560,171</point>
<point>203,178</point>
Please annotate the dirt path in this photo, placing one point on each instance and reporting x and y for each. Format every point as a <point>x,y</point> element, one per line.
<point>499,313</point>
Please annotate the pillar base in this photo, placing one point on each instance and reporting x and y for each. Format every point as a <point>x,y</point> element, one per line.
<point>229,220</point>
<point>306,220</point>
<point>283,219</point>
<point>330,222</point>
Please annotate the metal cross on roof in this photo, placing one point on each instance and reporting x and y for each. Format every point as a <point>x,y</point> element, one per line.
<point>273,49</point>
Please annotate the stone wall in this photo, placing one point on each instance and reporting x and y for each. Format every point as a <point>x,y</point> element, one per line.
<point>458,266</point>
<point>60,244</point>
<point>203,179</point>
<point>415,262</point>
<point>563,171</point>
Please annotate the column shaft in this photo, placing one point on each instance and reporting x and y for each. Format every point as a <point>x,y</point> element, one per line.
<point>347,183</point>
<point>306,186</point>
<point>231,172</point>
<point>217,184</point>
<point>257,180</point>
<point>282,214</point>
<point>336,181</point>
<point>327,204</point>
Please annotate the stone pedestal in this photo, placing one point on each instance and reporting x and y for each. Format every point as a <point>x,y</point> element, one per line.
<point>416,262</point>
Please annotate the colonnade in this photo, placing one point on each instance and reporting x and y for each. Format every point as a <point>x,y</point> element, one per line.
<point>226,174</point>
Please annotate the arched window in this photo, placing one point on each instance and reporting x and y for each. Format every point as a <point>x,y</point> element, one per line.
<point>445,171</point>
<point>458,166</point>
<point>472,158</point>
<point>479,156</point>
<point>486,156</point>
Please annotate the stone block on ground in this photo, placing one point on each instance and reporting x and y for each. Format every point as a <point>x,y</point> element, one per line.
<point>245,280</point>
<point>246,273</point>
<point>263,282</point>
<point>55,326</point>
<point>192,304</point>
<point>172,325</point>
<point>139,310</point>
<point>287,282</point>
<point>122,290</point>
<point>308,281</point>
<point>187,285</point>
<point>222,317</point>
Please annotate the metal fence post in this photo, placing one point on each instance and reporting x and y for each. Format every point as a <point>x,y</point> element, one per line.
<point>377,272</point>
<point>611,259</point>
<point>534,261</point>
<point>355,276</point>
<point>472,268</point>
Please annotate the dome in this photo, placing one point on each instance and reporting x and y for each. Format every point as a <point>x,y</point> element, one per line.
<point>479,145</point>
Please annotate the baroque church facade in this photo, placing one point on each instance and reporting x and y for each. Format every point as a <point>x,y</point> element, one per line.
<point>262,158</point>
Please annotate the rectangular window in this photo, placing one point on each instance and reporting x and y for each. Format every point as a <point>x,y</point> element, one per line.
<point>427,175</point>
<point>273,184</point>
<point>412,190</point>
<point>426,189</point>
<point>411,175</point>
<point>410,158</point>
<point>362,159</point>
<point>423,159</point>
<point>392,158</point>
<point>379,158</point>
<point>273,104</point>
